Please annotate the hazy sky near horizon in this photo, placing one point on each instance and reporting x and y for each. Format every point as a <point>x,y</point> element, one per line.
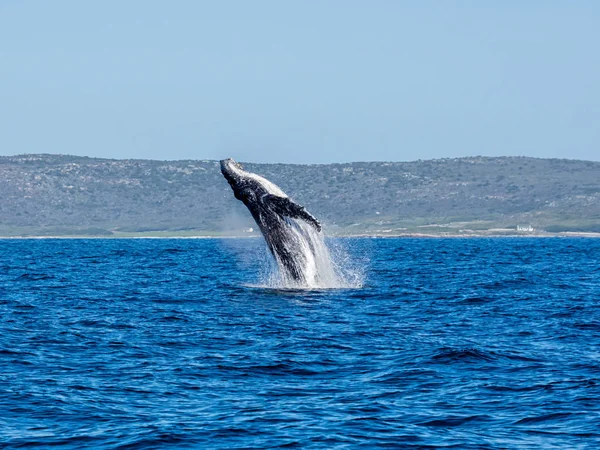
<point>300,81</point>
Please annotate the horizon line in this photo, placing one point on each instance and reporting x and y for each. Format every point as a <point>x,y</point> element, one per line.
<point>298,164</point>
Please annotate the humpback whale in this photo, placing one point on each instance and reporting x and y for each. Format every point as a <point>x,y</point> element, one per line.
<point>281,222</point>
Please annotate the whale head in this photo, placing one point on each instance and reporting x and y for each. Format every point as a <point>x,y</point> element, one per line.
<point>240,179</point>
<point>232,171</point>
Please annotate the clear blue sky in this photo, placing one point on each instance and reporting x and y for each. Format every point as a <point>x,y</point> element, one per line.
<point>305,81</point>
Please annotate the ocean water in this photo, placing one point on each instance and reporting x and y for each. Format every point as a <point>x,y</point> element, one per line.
<point>449,343</point>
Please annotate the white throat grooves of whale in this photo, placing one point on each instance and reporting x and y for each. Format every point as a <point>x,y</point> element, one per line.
<point>272,188</point>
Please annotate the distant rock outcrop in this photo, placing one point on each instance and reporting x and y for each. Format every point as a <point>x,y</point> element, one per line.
<point>56,194</point>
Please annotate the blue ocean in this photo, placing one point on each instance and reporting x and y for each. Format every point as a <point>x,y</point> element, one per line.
<point>179,343</point>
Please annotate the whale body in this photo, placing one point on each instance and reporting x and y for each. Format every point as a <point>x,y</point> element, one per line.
<point>282,222</point>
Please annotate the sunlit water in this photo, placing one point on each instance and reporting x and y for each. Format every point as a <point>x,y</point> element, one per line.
<point>470,343</point>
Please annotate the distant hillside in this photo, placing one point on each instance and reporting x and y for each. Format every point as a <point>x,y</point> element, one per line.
<point>63,195</point>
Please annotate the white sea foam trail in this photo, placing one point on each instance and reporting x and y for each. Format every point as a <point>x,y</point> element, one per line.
<point>319,266</point>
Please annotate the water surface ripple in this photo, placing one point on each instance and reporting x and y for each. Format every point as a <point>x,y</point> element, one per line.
<point>451,343</point>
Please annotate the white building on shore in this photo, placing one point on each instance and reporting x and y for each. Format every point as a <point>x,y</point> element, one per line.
<point>527,229</point>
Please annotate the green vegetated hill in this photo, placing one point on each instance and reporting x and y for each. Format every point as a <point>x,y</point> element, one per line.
<point>68,195</point>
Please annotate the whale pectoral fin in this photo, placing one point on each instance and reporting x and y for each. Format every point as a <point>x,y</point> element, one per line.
<point>289,208</point>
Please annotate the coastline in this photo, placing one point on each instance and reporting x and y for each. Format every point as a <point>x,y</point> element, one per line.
<point>567,234</point>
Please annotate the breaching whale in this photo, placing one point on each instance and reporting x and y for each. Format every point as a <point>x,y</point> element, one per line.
<point>273,212</point>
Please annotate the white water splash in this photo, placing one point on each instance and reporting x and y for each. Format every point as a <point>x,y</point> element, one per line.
<point>322,267</point>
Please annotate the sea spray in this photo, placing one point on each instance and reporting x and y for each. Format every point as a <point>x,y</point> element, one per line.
<point>328,263</point>
<point>321,267</point>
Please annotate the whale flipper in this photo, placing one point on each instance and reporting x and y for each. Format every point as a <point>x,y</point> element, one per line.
<point>289,208</point>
